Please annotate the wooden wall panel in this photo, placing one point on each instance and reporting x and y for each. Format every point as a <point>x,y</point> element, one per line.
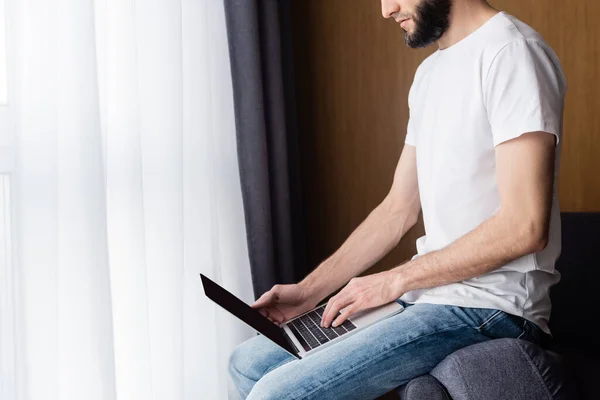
<point>353,73</point>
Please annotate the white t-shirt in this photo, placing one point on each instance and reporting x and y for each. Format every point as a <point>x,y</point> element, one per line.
<point>499,82</point>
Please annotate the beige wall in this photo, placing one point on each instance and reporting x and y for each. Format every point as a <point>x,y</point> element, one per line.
<point>353,73</point>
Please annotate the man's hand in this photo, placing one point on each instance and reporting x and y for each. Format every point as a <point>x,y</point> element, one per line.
<point>284,302</point>
<point>360,294</point>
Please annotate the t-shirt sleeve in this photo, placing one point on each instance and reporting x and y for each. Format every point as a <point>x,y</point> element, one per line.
<point>524,91</point>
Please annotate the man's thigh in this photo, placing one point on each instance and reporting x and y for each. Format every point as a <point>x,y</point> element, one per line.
<point>377,359</point>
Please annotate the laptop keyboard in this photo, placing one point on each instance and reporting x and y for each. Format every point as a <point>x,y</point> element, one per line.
<point>309,333</point>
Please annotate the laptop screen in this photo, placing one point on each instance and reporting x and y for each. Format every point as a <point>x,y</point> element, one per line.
<point>246,313</point>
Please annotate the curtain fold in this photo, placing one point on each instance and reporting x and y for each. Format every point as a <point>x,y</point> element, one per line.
<point>126,187</point>
<point>259,35</point>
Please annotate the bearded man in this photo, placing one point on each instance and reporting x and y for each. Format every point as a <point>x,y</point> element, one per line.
<point>480,161</point>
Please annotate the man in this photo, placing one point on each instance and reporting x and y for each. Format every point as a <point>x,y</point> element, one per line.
<point>480,160</point>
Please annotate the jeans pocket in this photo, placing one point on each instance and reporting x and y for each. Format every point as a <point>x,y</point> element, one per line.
<point>534,334</point>
<point>504,325</point>
<point>524,333</point>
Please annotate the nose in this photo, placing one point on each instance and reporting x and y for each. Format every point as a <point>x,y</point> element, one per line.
<point>389,8</point>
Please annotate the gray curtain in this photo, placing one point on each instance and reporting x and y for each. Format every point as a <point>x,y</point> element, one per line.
<point>259,33</point>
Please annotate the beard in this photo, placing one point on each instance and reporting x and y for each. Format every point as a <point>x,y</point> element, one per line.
<point>431,20</point>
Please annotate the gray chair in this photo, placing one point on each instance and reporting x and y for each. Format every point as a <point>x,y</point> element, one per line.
<point>518,370</point>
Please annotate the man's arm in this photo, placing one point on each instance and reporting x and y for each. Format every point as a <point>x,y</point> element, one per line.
<point>525,175</point>
<point>376,235</point>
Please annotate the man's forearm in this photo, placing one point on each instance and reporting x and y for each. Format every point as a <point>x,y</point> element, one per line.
<point>495,242</point>
<point>374,238</point>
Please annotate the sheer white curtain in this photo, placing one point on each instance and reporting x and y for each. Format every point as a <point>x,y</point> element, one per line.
<point>125,187</point>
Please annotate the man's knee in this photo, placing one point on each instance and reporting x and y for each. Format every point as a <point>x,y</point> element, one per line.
<point>271,387</point>
<point>240,369</point>
<point>240,362</point>
<point>255,357</point>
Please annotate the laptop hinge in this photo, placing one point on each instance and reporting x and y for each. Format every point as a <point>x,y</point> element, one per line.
<point>289,340</point>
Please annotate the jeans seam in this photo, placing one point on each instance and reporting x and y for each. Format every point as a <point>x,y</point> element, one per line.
<point>523,331</point>
<point>487,321</point>
<point>338,377</point>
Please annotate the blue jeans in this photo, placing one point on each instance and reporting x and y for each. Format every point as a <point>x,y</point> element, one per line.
<point>375,360</point>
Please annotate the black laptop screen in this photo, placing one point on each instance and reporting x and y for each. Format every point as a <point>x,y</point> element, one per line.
<point>246,313</point>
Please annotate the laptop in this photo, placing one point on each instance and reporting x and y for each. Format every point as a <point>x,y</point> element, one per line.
<point>301,336</point>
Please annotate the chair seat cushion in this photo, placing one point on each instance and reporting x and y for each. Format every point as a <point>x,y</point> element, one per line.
<point>424,387</point>
<point>510,369</point>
